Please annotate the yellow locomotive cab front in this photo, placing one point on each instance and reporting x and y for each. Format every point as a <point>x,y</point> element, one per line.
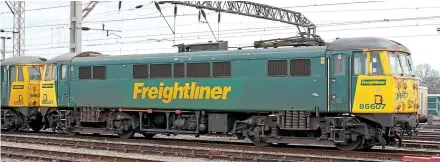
<point>21,93</point>
<point>25,86</point>
<point>386,84</point>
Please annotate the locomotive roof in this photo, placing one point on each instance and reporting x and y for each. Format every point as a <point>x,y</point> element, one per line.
<point>339,44</point>
<point>23,60</point>
<point>366,43</point>
<point>214,55</point>
<point>69,56</point>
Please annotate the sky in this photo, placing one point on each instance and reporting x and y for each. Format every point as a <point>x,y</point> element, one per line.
<point>143,30</point>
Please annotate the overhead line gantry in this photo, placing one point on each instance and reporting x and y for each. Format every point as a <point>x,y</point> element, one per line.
<point>306,29</point>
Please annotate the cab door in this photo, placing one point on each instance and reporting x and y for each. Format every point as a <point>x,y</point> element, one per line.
<point>63,84</point>
<point>4,86</point>
<point>48,97</point>
<point>18,93</point>
<point>339,82</point>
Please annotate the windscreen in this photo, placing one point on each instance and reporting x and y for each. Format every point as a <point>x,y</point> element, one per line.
<point>401,63</point>
<point>395,63</point>
<point>34,73</point>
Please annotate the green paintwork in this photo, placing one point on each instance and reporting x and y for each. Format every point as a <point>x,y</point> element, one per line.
<point>252,90</point>
<point>4,86</point>
<point>339,83</point>
<point>434,104</point>
<point>62,88</point>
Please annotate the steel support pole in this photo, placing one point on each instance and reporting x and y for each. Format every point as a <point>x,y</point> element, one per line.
<point>75,27</point>
<point>3,48</point>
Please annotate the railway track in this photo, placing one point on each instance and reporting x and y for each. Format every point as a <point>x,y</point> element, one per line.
<point>46,155</point>
<point>215,151</point>
<point>425,135</point>
<point>424,138</point>
<point>421,144</point>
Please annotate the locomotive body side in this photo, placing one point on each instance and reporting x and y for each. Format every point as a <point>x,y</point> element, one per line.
<point>247,89</point>
<point>349,93</point>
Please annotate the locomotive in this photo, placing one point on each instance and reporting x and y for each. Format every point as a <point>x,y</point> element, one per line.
<point>354,93</point>
<point>20,93</point>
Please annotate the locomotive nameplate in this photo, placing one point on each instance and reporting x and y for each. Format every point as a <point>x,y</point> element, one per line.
<point>373,82</point>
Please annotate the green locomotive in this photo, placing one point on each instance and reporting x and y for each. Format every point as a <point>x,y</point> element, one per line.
<point>352,93</point>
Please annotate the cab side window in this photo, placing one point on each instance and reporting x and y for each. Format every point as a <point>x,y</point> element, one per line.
<point>3,74</point>
<point>338,64</point>
<point>376,64</point>
<point>47,72</point>
<point>63,72</point>
<point>20,73</point>
<point>12,74</point>
<point>54,72</point>
<point>360,64</point>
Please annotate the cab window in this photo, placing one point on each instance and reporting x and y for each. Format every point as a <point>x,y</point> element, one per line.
<point>410,64</point>
<point>395,63</point>
<point>404,63</point>
<point>54,72</point>
<point>360,64</point>
<point>3,74</point>
<point>63,72</point>
<point>47,73</point>
<point>12,74</point>
<point>20,73</point>
<point>375,64</point>
<point>338,64</point>
<point>34,73</point>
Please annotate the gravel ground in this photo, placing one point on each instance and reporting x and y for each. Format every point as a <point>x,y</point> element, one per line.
<point>103,152</point>
<point>234,139</point>
<point>4,159</point>
<point>201,148</point>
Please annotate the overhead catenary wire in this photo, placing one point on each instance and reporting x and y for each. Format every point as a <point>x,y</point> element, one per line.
<point>342,23</point>
<point>333,4</point>
<point>330,24</point>
<point>171,39</point>
<point>325,11</point>
<point>250,30</point>
<point>153,17</point>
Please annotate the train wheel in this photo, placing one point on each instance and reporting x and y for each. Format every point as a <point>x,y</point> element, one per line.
<point>36,123</point>
<point>256,139</point>
<point>351,145</point>
<point>12,122</point>
<point>125,125</point>
<point>70,132</point>
<point>126,134</point>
